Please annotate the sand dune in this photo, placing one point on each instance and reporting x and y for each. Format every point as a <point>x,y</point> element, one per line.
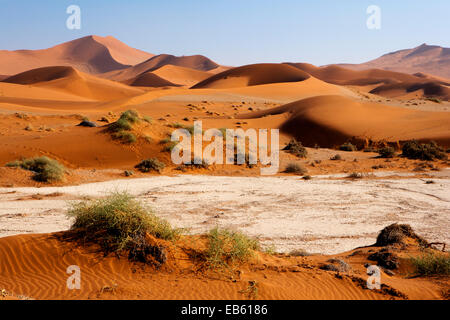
<point>332,120</point>
<point>182,75</point>
<point>252,75</point>
<point>425,58</point>
<point>390,84</point>
<point>91,54</point>
<point>196,62</point>
<point>419,89</point>
<point>149,79</point>
<point>73,82</point>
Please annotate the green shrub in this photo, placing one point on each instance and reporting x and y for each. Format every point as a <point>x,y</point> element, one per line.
<point>386,152</point>
<point>125,136</point>
<point>347,147</point>
<point>336,157</point>
<point>423,151</point>
<point>45,169</point>
<point>150,165</point>
<point>432,264</point>
<point>117,222</point>
<point>295,168</point>
<point>296,148</point>
<point>226,247</point>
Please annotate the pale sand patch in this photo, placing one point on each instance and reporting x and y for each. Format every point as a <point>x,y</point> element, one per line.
<point>323,215</point>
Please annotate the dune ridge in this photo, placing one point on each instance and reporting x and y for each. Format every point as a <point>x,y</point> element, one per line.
<point>252,75</point>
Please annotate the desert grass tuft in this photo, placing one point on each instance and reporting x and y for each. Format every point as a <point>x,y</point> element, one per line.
<point>227,247</point>
<point>432,264</point>
<point>45,169</point>
<point>117,222</point>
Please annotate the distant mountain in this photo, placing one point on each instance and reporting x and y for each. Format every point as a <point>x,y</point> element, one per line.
<point>91,54</point>
<point>434,60</point>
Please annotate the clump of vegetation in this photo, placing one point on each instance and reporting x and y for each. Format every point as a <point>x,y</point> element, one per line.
<point>128,173</point>
<point>299,253</point>
<point>336,157</point>
<point>120,129</point>
<point>117,222</point>
<point>423,151</point>
<point>150,165</point>
<point>386,152</point>
<point>125,136</point>
<point>295,168</point>
<point>432,264</point>
<point>433,99</point>
<point>29,127</point>
<point>170,146</point>
<point>355,175</point>
<point>45,169</point>
<point>227,247</point>
<point>348,147</point>
<point>296,148</point>
<point>395,233</point>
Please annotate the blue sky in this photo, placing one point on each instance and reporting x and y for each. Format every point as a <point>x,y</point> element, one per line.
<point>234,32</point>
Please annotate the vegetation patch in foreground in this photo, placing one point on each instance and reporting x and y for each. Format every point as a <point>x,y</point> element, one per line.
<point>150,165</point>
<point>296,148</point>
<point>45,169</point>
<point>227,247</point>
<point>423,151</point>
<point>118,222</point>
<point>432,264</point>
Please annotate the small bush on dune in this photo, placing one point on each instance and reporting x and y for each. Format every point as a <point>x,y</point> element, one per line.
<point>150,165</point>
<point>45,169</point>
<point>336,157</point>
<point>347,147</point>
<point>117,222</point>
<point>396,233</point>
<point>125,136</point>
<point>429,151</point>
<point>295,168</point>
<point>386,152</point>
<point>432,264</point>
<point>226,247</point>
<point>296,148</point>
<point>124,124</point>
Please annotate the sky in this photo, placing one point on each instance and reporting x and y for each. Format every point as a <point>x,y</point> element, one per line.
<point>235,32</point>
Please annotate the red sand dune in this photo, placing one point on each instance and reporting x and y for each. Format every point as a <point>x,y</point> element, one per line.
<point>74,82</point>
<point>332,120</point>
<point>252,75</point>
<point>342,76</point>
<point>433,60</point>
<point>149,79</point>
<point>196,62</point>
<point>91,54</point>
<point>391,84</point>
<point>428,89</point>
<point>182,75</point>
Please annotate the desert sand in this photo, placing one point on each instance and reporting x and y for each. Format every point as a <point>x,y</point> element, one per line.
<point>45,94</point>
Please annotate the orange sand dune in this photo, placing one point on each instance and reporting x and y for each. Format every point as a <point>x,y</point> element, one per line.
<point>91,54</point>
<point>149,79</point>
<point>35,266</point>
<point>196,62</point>
<point>252,75</point>
<point>181,75</point>
<point>339,75</point>
<point>390,84</point>
<point>332,120</point>
<point>427,89</point>
<point>430,59</point>
<point>69,80</point>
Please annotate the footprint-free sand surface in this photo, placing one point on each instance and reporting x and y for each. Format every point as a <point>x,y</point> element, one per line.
<point>327,214</point>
